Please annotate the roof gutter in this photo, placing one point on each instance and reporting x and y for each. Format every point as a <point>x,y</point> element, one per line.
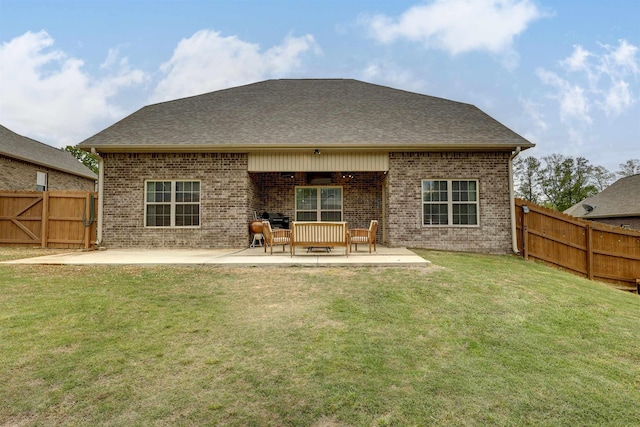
<point>100,195</point>
<point>261,148</point>
<point>512,202</point>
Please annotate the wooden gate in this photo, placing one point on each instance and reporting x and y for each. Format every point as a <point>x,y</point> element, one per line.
<point>49,219</point>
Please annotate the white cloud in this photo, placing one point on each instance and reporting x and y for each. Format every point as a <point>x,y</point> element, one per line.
<point>620,60</point>
<point>572,99</point>
<point>593,82</point>
<point>606,80</point>
<point>578,60</point>
<point>536,117</point>
<point>48,96</point>
<point>574,104</point>
<point>207,61</point>
<point>458,26</point>
<point>389,74</point>
<point>618,98</point>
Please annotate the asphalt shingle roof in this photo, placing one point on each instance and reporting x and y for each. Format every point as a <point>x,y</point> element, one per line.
<point>321,113</point>
<point>31,151</point>
<point>620,199</point>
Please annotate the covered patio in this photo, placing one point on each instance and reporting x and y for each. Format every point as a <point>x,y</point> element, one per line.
<point>320,186</point>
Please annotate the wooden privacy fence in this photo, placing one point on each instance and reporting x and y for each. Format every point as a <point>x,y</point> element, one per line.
<point>591,249</point>
<point>49,219</point>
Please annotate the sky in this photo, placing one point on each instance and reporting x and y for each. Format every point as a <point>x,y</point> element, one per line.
<point>565,74</point>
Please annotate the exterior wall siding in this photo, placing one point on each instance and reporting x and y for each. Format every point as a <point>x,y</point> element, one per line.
<point>404,210</point>
<point>224,210</point>
<point>16,175</point>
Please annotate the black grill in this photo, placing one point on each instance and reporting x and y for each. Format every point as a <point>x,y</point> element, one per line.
<point>277,220</point>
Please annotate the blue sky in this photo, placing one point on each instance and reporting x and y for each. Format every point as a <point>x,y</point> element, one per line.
<point>564,74</point>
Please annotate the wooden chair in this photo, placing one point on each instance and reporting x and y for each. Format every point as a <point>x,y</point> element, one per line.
<point>364,235</point>
<point>275,237</point>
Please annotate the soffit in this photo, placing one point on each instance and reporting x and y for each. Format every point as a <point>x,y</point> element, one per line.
<point>323,162</point>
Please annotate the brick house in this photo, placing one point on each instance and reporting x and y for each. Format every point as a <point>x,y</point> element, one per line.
<point>618,204</point>
<point>192,172</point>
<point>29,165</point>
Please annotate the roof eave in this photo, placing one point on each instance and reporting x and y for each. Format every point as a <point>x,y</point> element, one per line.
<point>247,148</point>
<point>604,216</point>
<point>48,166</point>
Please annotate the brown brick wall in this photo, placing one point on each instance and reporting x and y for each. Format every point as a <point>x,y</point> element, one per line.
<point>21,176</point>
<point>230,195</point>
<point>225,190</point>
<point>404,211</point>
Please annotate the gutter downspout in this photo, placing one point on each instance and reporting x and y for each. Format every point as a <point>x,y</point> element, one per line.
<point>100,195</point>
<point>512,202</point>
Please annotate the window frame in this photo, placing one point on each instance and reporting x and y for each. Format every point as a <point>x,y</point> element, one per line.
<point>318,209</point>
<point>173,203</point>
<point>450,203</point>
<point>42,181</point>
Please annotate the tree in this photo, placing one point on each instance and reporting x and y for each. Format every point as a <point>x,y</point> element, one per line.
<point>557,181</point>
<point>560,182</point>
<point>88,159</point>
<point>566,181</point>
<point>602,178</point>
<point>527,177</point>
<point>631,167</point>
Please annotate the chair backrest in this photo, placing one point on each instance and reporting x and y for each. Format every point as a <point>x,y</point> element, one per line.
<point>266,230</point>
<point>373,229</point>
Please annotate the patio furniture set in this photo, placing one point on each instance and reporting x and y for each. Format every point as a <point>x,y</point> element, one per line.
<point>325,235</point>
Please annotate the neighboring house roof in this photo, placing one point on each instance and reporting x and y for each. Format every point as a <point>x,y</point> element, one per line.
<point>620,199</point>
<point>31,151</point>
<point>307,113</point>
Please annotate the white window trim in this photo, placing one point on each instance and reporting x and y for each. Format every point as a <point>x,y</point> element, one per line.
<point>450,203</point>
<point>319,210</point>
<point>173,204</point>
<point>42,181</point>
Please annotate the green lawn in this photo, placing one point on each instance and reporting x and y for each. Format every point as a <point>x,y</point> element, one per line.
<point>472,340</point>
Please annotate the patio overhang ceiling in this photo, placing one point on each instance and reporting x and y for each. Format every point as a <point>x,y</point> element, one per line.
<point>318,161</point>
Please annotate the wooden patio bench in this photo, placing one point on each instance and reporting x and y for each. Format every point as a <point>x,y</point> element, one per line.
<point>319,234</point>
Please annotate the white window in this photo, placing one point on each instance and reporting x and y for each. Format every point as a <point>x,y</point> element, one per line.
<point>172,204</point>
<point>318,203</point>
<point>41,181</point>
<point>450,202</point>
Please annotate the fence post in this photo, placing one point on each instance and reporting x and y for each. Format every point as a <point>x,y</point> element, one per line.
<point>589,244</point>
<point>44,230</point>
<point>525,235</point>
<point>87,229</point>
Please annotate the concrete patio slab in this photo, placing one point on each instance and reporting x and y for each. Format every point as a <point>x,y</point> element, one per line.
<point>231,257</point>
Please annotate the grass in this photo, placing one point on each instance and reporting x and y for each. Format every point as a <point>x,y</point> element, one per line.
<point>473,340</point>
<point>7,254</point>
